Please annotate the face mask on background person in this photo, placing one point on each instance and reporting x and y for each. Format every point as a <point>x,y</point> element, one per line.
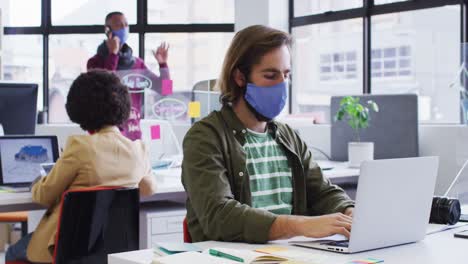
<point>267,101</point>
<point>122,34</point>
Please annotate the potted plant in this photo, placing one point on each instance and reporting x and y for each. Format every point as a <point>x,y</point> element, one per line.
<point>358,118</point>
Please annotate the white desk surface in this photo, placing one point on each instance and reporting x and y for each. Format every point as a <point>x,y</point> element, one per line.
<point>338,170</point>
<point>168,182</point>
<point>434,249</point>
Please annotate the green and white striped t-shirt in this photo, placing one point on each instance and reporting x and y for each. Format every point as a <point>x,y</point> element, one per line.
<point>269,172</point>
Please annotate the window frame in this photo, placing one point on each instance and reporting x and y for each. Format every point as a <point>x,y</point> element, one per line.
<point>141,28</point>
<point>366,12</point>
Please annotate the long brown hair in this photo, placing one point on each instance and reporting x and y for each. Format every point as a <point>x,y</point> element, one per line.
<point>247,48</point>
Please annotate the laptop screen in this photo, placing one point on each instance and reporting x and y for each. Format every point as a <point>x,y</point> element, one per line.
<point>21,156</point>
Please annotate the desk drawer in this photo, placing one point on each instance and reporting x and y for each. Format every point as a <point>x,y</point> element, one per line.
<point>174,238</point>
<point>169,224</point>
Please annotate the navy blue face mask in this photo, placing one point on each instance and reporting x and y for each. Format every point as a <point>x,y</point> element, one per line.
<point>267,101</point>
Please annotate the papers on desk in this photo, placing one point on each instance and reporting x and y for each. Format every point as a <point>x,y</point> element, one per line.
<point>294,256</point>
<point>435,228</point>
<point>263,255</point>
<point>245,256</point>
<point>191,257</point>
<point>168,248</point>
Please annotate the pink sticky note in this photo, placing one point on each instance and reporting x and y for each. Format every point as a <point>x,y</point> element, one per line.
<point>155,132</point>
<point>166,87</point>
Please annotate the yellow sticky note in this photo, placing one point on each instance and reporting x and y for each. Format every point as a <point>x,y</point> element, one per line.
<point>194,109</point>
<point>271,249</point>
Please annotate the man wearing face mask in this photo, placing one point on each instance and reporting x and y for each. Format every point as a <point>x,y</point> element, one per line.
<point>114,54</point>
<point>247,177</point>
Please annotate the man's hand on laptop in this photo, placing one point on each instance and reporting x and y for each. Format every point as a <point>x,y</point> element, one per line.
<point>325,225</point>
<point>349,211</point>
<point>310,226</point>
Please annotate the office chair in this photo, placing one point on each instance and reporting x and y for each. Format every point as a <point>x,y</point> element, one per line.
<point>187,237</point>
<point>95,222</point>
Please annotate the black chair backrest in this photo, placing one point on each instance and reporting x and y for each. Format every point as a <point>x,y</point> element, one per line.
<point>95,223</point>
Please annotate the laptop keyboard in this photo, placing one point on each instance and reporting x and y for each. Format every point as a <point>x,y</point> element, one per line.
<point>340,243</point>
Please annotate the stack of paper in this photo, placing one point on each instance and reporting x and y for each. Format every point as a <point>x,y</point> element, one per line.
<point>191,257</point>
<point>218,255</point>
<point>245,256</point>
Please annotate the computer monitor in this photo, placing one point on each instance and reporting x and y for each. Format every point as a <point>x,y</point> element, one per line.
<point>18,105</point>
<point>161,141</point>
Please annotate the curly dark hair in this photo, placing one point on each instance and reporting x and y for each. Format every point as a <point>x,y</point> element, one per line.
<point>97,99</point>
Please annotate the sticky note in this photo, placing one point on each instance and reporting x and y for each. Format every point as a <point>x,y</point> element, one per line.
<point>366,261</point>
<point>155,132</point>
<point>194,109</point>
<point>271,249</point>
<point>166,87</point>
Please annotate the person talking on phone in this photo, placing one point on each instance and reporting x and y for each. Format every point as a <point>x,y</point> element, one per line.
<point>115,54</point>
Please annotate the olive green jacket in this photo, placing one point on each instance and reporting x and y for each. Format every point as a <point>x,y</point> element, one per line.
<point>215,178</point>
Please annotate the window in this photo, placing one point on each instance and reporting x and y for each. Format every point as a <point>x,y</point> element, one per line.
<point>418,52</point>
<point>391,62</point>
<point>327,60</point>
<point>193,11</point>
<point>23,58</point>
<point>22,61</point>
<point>68,57</point>
<point>338,66</point>
<point>310,7</point>
<point>201,53</point>
<point>90,12</point>
<point>14,13</point>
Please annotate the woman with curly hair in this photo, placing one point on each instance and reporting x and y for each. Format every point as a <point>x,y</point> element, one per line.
<point>98,102</point>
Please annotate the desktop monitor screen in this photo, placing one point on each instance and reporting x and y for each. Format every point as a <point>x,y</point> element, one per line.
<point>18,104</point>
<point>21,157</point>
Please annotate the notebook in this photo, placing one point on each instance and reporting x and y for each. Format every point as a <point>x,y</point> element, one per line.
<point>220,256</point>
<point>246,256</point>
<point>292,254</point>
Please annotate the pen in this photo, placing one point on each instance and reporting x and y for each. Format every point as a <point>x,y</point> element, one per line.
<point>217,253</point>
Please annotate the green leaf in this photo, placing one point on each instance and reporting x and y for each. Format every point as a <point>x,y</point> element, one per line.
<point>357,115</point>
<point>373,105</point>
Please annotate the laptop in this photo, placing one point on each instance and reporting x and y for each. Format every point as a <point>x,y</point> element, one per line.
<point>21,158</point>
<point>393,203</point>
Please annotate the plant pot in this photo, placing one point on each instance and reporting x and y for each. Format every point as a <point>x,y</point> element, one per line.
<point>359,152</point>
